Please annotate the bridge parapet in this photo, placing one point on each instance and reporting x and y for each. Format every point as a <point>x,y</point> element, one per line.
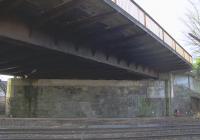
<point>146,20</point>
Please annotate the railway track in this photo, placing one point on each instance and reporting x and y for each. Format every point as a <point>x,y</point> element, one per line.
<point>171,129</point>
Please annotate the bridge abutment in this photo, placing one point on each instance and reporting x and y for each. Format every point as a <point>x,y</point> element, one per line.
<point>87,98</point>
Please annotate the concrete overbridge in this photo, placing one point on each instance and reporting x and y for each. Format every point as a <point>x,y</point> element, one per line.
<point>85,39</point>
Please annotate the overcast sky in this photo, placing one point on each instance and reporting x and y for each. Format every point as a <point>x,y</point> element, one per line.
<point>5,77</point>
<point>169,14</point>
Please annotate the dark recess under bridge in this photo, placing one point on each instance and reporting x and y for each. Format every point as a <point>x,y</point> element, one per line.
<point>85,39</point>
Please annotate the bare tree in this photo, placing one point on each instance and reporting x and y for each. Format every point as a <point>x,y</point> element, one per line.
<point>193,23</point>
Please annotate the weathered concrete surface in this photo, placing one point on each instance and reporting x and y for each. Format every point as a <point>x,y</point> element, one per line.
<point>182,100</point>
<point>2,105</point>
<point>85,98</point>
<point>186,94</point>
<point>195,104</point>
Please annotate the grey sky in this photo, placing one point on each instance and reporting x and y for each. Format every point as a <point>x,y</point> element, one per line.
<point>169,14</point>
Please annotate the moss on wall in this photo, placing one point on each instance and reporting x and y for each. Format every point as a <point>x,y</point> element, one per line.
<point>69,98</point>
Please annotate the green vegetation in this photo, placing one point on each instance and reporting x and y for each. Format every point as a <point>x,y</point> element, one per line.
<point>196,67</point>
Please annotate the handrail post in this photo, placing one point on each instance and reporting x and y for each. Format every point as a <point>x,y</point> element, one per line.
<point>145,20</point>
<point>175,47</point>
<point>163,35</point>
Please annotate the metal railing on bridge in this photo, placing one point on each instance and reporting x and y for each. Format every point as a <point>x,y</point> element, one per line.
<point>145,19</point>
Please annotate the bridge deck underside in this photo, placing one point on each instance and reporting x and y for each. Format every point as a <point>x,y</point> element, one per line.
<point>44,63</point>
<point>90,24</point>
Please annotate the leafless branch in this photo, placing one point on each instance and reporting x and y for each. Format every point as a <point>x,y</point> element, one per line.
<point>193,24</point>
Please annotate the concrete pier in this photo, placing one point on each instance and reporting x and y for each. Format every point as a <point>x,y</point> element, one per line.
<point>86,98</point>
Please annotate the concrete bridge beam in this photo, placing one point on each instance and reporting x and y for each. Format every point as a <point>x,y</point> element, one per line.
<point>18,32</point>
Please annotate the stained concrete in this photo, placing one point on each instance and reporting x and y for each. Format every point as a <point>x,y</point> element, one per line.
<point>85,98</point>
<point>186,94</point>
<point>2,105</point>
<point>182,100</point>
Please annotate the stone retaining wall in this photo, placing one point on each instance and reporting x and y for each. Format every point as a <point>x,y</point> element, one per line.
<point>85,98</point>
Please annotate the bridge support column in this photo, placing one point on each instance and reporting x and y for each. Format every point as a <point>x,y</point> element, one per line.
<point>169,91</point>
<point>171,80</point>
